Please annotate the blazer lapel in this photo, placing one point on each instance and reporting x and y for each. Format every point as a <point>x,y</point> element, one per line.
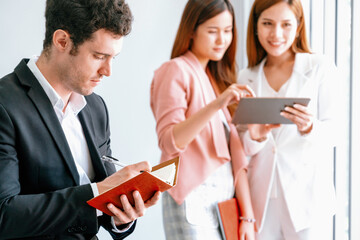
<point>297,86</point>
<point>47,113</point>
<point>219,138</point>
<point>253,79</point>
<point>89,132</point>
<point>300,77</point>
<point>199,72</point>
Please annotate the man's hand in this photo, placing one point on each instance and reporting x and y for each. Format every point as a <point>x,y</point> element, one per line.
<point>123,175</point>
<point>129,213</point>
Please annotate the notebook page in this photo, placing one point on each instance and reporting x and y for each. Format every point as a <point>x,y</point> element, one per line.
<point>166,174</point>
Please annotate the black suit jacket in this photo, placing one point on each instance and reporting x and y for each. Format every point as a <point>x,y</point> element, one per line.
<point>40,196</point>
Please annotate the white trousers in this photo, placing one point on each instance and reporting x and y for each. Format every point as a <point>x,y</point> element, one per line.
<point>278,225</point>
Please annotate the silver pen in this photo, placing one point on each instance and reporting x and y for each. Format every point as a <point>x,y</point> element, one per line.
<point>112,160</point>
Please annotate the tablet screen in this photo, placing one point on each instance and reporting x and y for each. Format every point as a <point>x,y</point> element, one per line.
<point>265,110</point>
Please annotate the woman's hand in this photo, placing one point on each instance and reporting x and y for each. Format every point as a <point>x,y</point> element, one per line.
<point>258,132</point>
<point>185,131</point>
<point>233,94</point>
<point>299,115</point>
<point>247,231</point>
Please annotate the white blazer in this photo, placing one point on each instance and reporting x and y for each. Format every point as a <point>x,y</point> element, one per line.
<point>304,163</point>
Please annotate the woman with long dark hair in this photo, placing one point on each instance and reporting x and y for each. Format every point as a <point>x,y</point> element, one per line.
<point>191,98</point>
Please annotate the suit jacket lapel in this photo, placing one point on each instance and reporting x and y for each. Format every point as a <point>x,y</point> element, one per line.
<point>89,132</point>
<point>47,113</point>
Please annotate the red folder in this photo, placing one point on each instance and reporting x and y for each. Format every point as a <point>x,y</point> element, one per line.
<point>228,213</point>
<point>145,183</point>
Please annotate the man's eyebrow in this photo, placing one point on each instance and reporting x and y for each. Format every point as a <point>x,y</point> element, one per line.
<point>105,54</point>
<point>101,53</point>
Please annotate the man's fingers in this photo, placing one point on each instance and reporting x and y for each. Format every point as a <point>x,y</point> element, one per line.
<point>129,213</point>
<point>139,204</point>
<point>120,216</point>
<point>153,200</point>
<point>141,166</point>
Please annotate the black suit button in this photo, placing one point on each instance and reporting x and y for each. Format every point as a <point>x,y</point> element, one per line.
<point>83,228</point>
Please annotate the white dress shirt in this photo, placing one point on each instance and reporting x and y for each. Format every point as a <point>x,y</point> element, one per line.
<point>70,123</point>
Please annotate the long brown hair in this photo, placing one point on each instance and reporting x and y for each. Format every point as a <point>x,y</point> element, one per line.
<point>255,52</point>
<point>195,13</point>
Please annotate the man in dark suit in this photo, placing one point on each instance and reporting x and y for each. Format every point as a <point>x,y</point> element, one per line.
<point>54,129</point>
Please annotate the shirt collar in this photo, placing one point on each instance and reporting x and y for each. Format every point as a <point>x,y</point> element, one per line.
<point>76,101</point>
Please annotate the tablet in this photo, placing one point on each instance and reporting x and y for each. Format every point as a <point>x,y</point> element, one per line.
<point>263,110</point>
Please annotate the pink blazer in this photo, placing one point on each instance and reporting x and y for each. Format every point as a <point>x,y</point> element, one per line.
<point>179,89</point>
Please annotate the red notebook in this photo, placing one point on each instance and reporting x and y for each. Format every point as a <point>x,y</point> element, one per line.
<point>228,213</point>
<point>161,178</point>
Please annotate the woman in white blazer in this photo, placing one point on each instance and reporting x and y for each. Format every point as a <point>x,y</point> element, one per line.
<point>290,170</point>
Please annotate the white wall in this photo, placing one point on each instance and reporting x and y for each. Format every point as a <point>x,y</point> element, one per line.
<point>126,92</point>
<point>242,11</point>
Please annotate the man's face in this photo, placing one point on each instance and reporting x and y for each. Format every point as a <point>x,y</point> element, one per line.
<point>82,72</point>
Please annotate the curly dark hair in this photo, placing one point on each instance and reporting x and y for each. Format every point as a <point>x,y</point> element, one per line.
<point>81,18</point>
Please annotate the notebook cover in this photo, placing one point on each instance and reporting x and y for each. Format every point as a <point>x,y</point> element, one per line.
<point>228,213</point>
<point>145,183</point>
